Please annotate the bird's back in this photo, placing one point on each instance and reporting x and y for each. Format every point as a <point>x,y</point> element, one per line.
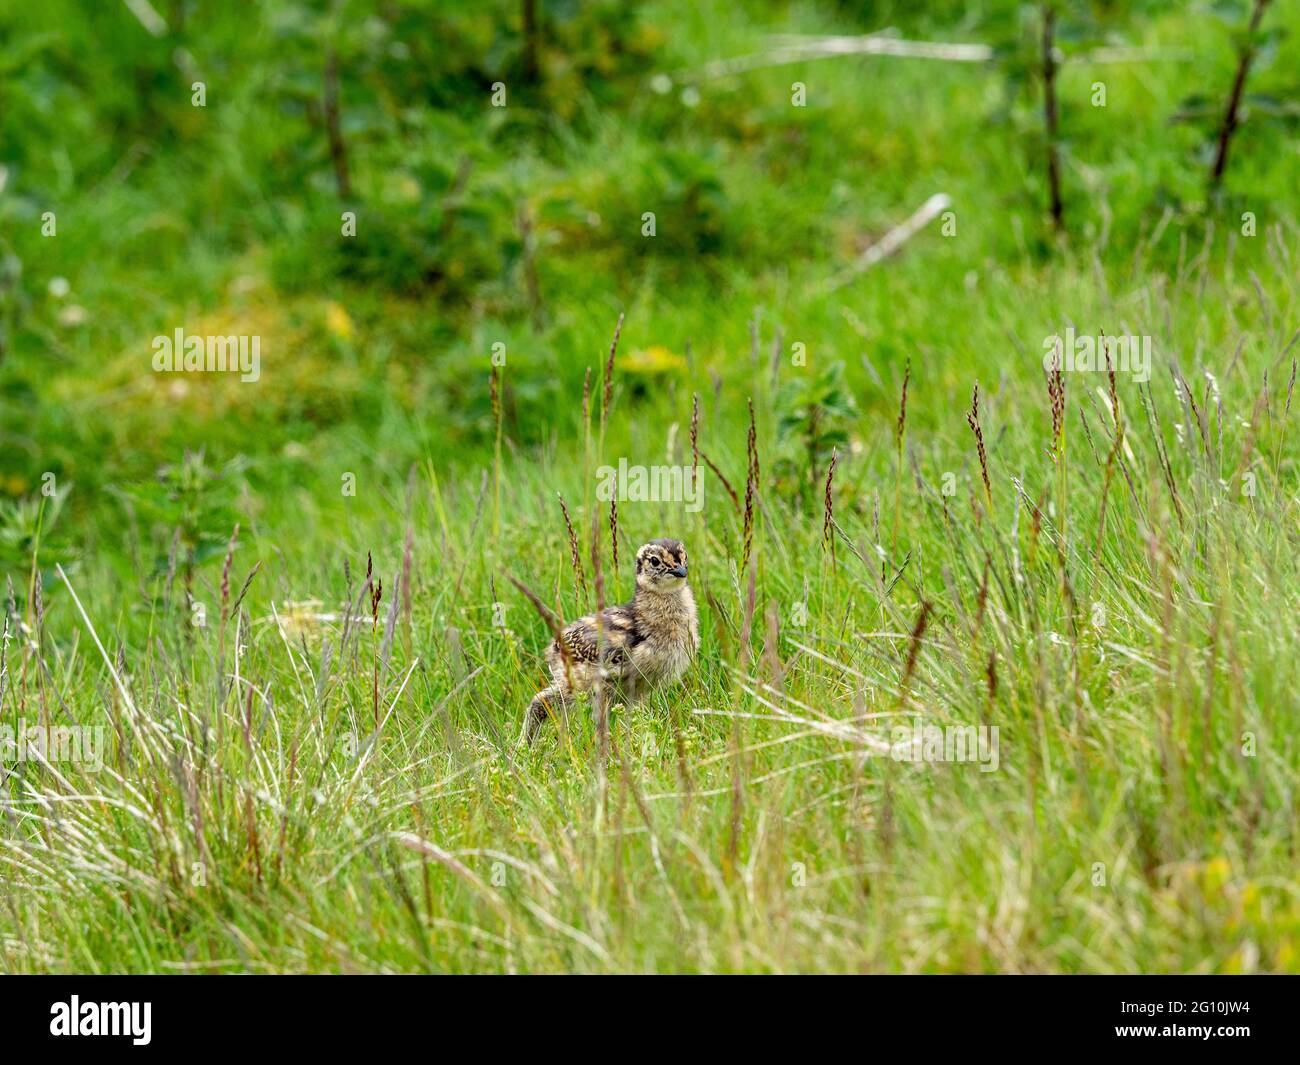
<point>608,637</point>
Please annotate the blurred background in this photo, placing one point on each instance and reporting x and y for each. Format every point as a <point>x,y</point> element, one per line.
<point>174,164</point>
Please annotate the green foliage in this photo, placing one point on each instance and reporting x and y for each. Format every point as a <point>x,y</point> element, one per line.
<point>29,526</point>
<point>186,507</point>
<point>814,415</point>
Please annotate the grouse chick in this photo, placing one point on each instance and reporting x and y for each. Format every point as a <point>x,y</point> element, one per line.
<point>629,649</point>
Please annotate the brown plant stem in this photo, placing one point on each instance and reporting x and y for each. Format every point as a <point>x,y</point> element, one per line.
<point>1051,115</point>
<point>333,129</point>
<point>1232,117</point>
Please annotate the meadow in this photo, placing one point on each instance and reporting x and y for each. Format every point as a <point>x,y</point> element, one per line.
<point>488,249</point>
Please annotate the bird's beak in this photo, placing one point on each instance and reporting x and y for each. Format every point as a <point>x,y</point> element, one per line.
<point>680,571</point>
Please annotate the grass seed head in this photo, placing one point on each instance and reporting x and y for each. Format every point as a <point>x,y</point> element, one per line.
<point>973,420</point>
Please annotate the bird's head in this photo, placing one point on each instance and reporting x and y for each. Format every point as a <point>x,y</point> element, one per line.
<point>661,566</point>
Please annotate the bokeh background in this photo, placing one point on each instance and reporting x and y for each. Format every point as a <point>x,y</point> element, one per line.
<point>521,224</point>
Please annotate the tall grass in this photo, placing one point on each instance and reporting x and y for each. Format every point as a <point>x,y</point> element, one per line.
<point>283,792</point>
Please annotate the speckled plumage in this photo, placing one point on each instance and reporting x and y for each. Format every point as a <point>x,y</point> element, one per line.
<point>628,649</point>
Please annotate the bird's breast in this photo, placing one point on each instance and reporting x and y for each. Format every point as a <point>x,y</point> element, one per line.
<point>668,654</point>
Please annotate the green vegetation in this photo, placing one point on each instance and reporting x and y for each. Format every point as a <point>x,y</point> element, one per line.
<point>288,603</point>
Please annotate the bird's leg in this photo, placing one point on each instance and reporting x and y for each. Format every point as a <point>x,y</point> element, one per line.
<point>545,701</point>
<point>600,711</point>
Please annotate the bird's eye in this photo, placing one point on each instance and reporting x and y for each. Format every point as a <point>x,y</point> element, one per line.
<point>655,563</point>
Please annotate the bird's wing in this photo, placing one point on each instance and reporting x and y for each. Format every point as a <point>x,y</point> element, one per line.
<point>607,638</point>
